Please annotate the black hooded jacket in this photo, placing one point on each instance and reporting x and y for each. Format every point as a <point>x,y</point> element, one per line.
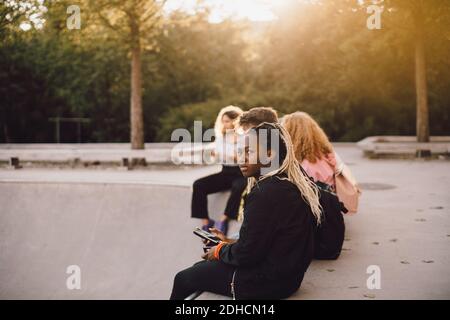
<point>276,242</point>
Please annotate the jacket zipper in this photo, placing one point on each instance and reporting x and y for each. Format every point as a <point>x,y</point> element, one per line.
<point>233,292</point>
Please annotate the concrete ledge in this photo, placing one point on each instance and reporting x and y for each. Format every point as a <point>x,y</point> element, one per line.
<point>110,153</point>
<point>81,146</point>
<point>403,146</point>
<point>154,153</point>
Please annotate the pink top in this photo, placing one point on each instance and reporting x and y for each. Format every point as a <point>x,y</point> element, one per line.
<point>322,170</point>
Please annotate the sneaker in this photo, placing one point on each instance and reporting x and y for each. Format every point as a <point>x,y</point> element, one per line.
<point>210,224</point>
<point>222,226</point>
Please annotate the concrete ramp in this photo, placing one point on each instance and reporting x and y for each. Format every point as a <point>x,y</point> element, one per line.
<point>128,240</point>
<point>130,232</point>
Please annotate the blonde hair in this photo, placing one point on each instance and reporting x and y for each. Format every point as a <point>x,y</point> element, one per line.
<point>309,140</point>
<point>291,168</point>
<point>218,126</point>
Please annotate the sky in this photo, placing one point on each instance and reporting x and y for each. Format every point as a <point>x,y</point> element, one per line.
<point>254,10</point>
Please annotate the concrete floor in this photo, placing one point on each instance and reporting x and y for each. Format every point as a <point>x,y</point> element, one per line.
<point>130,232</point>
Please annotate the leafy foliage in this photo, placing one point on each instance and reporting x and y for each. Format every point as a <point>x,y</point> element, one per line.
<point>317,58</point>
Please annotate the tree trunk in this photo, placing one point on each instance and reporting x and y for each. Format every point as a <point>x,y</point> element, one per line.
<point>422,121</point>
<point>136,113</point>
<point>5,132</point>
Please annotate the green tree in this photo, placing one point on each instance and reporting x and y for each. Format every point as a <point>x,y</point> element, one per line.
<point>422,17</point>
<point>14,13</point>
<point>138,23</point>
<point>355,81</point>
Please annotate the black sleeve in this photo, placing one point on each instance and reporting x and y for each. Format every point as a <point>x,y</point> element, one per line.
<point>256,233</point>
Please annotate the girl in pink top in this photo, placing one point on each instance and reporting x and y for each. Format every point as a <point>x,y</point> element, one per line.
<point>312,148</point>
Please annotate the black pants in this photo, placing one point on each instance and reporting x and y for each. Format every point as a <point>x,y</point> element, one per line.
<point>210,276</point>
<point>230,178</point>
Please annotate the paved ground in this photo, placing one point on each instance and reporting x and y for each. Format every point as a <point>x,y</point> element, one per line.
<point>130,232</point>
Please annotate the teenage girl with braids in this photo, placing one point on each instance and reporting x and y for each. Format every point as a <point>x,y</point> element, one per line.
<point>276,240</point>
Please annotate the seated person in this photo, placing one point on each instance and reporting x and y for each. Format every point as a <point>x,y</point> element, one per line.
<point>229,178</point>
<point>256,116</point>
<point>250,119</point>
<point>312,148</point>
<point>276,240</point>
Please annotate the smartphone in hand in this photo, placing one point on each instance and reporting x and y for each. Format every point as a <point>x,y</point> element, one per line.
<point>213,240</point>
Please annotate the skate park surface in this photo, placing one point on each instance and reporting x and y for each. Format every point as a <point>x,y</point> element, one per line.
<point>130,232</point>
